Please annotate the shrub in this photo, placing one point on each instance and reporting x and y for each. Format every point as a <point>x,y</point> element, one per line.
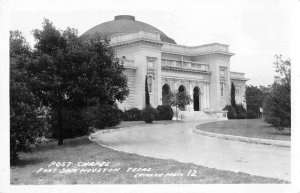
<point>231,114</point>
<point>148,114</point>
<point>252,113</point>
<point>120,114</point>
<point>133,114</point>
<point>26,128</point>
<point>164,112</point>
<point>103,116</point>
<point>240,112</point>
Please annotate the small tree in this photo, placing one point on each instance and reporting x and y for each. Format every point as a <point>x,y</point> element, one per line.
<point>168,99</point>
<point>182,99</point>
<point>148,113</point>
<point>147,96</point>
<point>178,99</point>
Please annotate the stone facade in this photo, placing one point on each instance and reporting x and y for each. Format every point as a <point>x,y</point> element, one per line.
<point>204,69</point>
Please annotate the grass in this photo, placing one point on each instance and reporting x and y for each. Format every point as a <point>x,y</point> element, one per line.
<point>140,123</point>
<point>83,150</point>
<point>256,128</point>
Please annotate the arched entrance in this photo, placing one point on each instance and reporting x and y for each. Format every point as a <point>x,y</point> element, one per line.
<point>166,91</point>
<point>181,88</point>
<point>196,98</point>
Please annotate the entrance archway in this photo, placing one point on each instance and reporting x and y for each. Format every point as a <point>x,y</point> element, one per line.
<point>196,98</point>
<point>181,88</point>
<point>166,94</point>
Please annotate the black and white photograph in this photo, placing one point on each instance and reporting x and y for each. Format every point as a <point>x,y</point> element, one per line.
<point>149,96</point>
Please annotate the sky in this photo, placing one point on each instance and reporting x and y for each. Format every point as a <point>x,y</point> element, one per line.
<point>254,30</point>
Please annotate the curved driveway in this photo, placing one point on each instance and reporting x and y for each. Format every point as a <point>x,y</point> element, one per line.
<point>177,141</point>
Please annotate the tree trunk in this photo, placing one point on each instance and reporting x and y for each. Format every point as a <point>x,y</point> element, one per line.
<point>60,127</point>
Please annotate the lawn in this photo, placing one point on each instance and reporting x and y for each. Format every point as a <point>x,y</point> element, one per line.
<point>256,128</point>
<point>140,123</point>
<point>116,167</point>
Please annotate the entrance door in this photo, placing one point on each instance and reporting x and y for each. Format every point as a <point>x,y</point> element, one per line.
<point>196,98</point>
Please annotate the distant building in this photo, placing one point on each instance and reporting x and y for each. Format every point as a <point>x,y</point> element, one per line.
<point>203,71</point>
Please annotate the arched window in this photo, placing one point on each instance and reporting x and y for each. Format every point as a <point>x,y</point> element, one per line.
<point>181,88</point>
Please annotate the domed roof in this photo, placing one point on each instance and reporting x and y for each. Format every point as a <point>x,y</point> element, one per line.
<point>124,24</point>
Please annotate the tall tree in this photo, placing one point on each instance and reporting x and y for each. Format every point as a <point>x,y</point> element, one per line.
<point>277,108</point>
<point>232,95</point>
<point>68,72</point>
<point>26,122</point>
<point>147,96</point>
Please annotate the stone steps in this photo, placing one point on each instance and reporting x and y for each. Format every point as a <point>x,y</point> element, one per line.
<point>198,115</point>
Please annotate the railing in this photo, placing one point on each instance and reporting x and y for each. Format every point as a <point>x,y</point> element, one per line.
<point>184,64</point>
<point>215,47</point>
<point>237,75</point>
<point>118,38</point>
<point>129,64</point>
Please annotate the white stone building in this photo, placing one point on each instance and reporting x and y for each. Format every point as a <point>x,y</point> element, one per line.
<point>203,71</point>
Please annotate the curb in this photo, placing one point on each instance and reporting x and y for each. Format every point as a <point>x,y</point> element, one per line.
<point>91,136</point>
<point>105,131</point>
<point>278,143</point>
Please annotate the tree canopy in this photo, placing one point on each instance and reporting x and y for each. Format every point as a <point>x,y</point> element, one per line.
<point>255,99</point>
<point>277,106</point>
<point>67,72</point>
<point>26,121</point>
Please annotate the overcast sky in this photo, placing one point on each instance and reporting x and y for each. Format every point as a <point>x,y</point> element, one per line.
<point>255,30</point>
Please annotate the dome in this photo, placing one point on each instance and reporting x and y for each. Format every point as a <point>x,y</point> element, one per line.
<point>123,24</point>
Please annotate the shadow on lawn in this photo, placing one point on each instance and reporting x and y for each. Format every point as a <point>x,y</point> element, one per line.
<point>26,161</point>
<point>45,146</point>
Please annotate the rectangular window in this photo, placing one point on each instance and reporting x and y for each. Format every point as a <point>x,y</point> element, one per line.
<point>222,88</point>
<point>237,91</point>
<point>222,73</point>
<point>151,64</point>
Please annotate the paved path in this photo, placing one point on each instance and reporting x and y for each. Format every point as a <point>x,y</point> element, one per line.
<point>177,141</point>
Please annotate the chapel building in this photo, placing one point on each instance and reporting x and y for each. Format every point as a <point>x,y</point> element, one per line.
<point>202,71</point>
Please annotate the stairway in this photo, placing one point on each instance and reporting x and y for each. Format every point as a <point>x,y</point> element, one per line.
<point>200,115</point>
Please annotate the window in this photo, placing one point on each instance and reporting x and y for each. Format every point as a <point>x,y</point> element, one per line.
<point>237,91</point>
<point>149,83</point>
<point>222,73</point>
<point>222,88</point>
<point>151,64</point>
